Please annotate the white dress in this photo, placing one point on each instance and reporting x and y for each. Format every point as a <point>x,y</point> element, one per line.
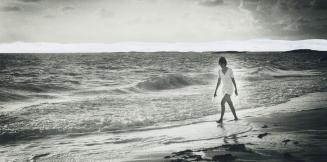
<point>226,79</point>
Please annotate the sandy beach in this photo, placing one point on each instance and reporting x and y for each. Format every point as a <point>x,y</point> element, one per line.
<point>293,131</point>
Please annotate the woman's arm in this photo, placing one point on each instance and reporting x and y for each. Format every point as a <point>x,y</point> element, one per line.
<point>233,80</point>
<point>218,83</point>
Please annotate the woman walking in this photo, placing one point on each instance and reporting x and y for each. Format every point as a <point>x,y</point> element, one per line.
<point>226,76</point>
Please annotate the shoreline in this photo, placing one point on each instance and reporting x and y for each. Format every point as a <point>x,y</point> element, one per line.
<point>292,131</point>
<point>260,135</point>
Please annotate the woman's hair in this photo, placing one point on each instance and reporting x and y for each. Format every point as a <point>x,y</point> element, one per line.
<point>222,60</point>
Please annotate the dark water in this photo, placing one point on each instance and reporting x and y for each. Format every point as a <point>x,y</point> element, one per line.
<point>47,94</point>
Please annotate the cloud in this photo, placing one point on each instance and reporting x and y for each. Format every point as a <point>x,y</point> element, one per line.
<point>319,4</point>
<point>297,19</point>
<point>67,8</point>
<point>10,8</point>
<point>211,2</point>
<point>161,20</point>
<point>50,16</point>
<point>104,13</point>
<point>29,1</point>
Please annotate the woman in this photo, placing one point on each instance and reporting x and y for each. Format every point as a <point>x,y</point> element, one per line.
<point>226,76</point>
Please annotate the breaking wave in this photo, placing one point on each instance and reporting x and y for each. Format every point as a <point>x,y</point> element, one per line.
<point>171,81</point>
<point>15,128</point>
<point>22,92</point>
<point>8,96</point>
<point>166,82</point>
<point>273,73</point>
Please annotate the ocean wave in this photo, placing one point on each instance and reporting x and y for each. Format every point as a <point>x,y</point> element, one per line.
<point>8,96</point>
<point>166,82</point>
<point>92,92</point>
<point>265,73</point>
<point>24,134</point>
<point>105,91</point>
<point>36,87</point>
<point>170,81</point>
<point>14,128</point>
<point>22,91</point>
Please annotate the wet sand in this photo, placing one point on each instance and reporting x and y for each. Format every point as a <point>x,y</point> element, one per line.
<point>293,131</point>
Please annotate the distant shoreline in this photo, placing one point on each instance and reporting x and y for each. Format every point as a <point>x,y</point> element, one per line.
<point>212,52</point>
<point>255,45</point>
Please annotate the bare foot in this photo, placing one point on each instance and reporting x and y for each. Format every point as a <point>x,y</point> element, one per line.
<point>236,118</point>
<point>219,121</point>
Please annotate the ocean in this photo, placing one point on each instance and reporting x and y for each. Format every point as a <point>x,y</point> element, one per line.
<point>58,104</point>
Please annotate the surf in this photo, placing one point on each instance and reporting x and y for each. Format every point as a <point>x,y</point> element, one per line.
<point>269,73</point>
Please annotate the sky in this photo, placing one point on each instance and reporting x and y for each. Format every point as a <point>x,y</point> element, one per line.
<point>111,21</point>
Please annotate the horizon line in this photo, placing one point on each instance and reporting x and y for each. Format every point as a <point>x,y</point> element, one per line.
<point>253,45</point>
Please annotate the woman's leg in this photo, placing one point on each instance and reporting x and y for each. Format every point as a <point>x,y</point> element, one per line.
<point>223,101</point>
<point>230,103</point>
